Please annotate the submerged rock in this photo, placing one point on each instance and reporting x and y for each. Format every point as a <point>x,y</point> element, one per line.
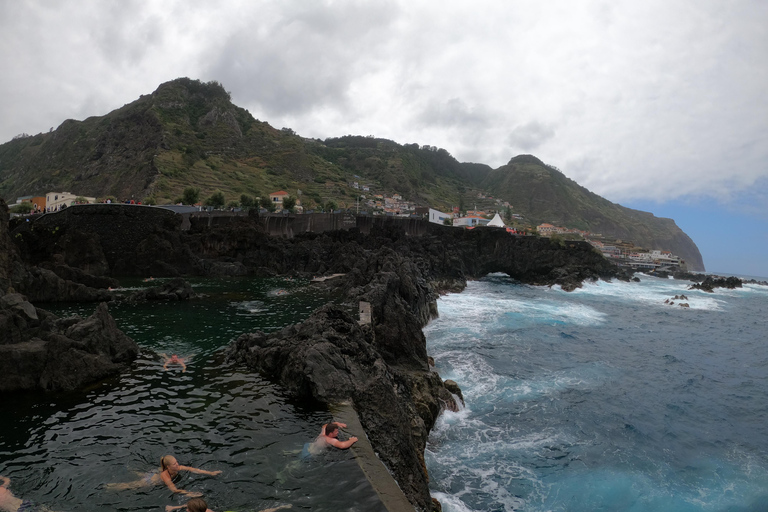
<point>173,290</point>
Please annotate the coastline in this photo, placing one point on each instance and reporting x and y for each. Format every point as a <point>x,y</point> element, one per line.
<point>382,367</point>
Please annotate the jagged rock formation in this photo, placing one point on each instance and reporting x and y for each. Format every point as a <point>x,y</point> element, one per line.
<point>173,290</point>
<point>381,367</point>
<point>41,351</point>
<point>710,283</point>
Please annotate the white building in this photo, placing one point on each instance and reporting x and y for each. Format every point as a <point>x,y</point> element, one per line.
<point>438,217</point>
<point>54,201</point>
<point>470,221</point>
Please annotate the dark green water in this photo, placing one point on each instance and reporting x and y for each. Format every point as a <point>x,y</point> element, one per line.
<point>60,449</point>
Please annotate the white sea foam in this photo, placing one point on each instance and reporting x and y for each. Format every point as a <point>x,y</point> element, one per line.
<point>652,291</point>
<point>478,312</point>
<point>250,306</point>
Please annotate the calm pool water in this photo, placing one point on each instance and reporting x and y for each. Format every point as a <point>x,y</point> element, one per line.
<point>61,449</point>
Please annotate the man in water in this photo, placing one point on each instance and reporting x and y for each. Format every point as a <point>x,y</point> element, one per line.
<point>329,436</point>
<point>10,503</point>
<point>174,359</point>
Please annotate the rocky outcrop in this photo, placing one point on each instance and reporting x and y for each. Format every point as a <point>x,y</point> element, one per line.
<point>42,285</point>
<point>381,367</point>
<point>173,290</point>
<point>41,351</point>
<point>710,283</point>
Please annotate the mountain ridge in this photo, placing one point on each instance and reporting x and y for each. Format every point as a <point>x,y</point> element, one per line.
<point>189,133</point>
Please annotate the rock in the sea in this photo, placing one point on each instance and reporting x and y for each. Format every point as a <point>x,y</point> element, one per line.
<point>173,290</point>
<point>710,283</point>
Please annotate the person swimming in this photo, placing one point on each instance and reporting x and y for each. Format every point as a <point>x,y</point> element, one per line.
<point>174,359</point>
<point>169,469</point>
<point>10,503</point>
<point>329,435</point>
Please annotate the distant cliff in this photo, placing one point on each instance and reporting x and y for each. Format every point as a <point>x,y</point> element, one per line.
<point>543,194</point>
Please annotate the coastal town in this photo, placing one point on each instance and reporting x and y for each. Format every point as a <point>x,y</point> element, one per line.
<point>494,213</point>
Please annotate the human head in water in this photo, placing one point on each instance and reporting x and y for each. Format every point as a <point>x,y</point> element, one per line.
<point>330,429</point>
<point>197,505</point>
<point>169,463</point>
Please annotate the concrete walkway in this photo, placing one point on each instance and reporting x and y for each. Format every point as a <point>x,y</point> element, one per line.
<point>377,474</point>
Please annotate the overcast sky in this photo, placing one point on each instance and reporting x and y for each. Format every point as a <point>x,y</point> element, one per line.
<point>656,104</point>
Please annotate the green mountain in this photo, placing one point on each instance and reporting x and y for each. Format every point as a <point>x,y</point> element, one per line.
<point>188,133</point>
<point>541,193</point>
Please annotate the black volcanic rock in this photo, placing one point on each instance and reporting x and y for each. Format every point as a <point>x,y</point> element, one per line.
<point>331,358</point>
<point>173,290</point>
<point>40,351</point>
<point>710,283</point>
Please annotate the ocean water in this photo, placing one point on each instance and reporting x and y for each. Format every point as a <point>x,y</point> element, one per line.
<point>61,449</point>
<point>602,399</point>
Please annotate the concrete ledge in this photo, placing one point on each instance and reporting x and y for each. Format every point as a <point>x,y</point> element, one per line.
<point>377,474</point>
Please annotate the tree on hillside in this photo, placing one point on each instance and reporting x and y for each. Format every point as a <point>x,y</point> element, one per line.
<point>191,195</point>
<point>246,201</point>
<point>289,203</point>
<point>217,200</point>
<point>267,203</point>
<point>330,206</point>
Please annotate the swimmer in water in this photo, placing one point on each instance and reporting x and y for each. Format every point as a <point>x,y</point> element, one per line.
<point>174,359</point>
<point>329,436</point>
<point>169,469</point>
<point>10,503</point>
<point>199,505</point>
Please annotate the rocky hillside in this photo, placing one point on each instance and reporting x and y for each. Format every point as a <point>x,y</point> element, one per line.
<point>541,193</point>
<point>188,133</point>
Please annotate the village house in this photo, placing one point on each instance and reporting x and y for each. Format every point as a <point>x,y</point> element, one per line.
<point>55,201</point>
<point>278,197</point>
<point>470,221</point>
<point>547,229</point>
<point>439,217</point>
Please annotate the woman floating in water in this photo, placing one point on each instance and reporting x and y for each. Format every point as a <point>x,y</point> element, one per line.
<point>174,359</point>
<point>169,469</point>
<point>199,505</point>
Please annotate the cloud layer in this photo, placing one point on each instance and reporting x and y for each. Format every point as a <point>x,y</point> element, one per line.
<point>635,100</point>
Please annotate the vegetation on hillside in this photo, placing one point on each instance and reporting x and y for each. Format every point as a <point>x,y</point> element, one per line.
<point>187,142</point>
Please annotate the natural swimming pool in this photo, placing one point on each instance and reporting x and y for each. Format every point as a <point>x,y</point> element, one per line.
<point>61,449</point>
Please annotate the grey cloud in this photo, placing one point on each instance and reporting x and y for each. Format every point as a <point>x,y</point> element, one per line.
<point>309,59</point>
<point>452,113</point>
<point>530,136</point>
